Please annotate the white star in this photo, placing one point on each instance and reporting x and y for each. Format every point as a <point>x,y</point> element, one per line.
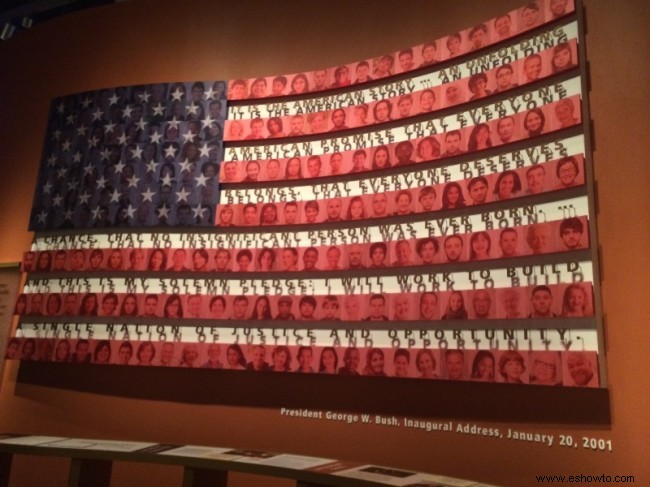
<point>108,128</point>
<point>148,195</point>
<point>151,166</point>
<point>73,184</point>
<point>88,169</point>
<point>66,145</point>
<point>47,187</point>
<point>42,216</point>
<point>185,166</point>
<point>68,214</point>
<point>193,109</point>
<point>210,93</point>
<point>163,211</point>
<point>61,107</point>
<point>101,182</point>
<point>96,213</point>
<point>70,119</point>
<point>155,137</point>
<point>182,195</point>
<point>130,211</point>
<point>122,139</point>
<point>77,157</point>
<point>141,124</point>
<point>198,212</point>
<point>86,102</point>
<point>119,167</point>
<point>97,114</point>
<point>56,134</point>
<point>94,141</point>
<point>84,198</point>
<point>201,180</point>
<point>115,197</point>
<point>144,97</point>
<point>81,130</point>
<point>207,121</point>
<point>170,151</point>
<point>158,110</point>
<point>113,99</point>
<point>166,180</point>
<point>61,173</point>
<point>177,94</point>
<point>57,200</point>
<point>127,111</point>
<point>137,152</point>
<point>133,182</point>
<point>189,137</point>
<point>204,150</point>
<point>105,153</point>
<point>174,123</point>
<point>51,161</point>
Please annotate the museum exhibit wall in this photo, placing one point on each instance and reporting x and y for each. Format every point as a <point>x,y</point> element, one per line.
<point>146,41</point>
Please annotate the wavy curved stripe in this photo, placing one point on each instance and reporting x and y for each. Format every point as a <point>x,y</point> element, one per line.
<point>409,98</point>
<point>407,60</point>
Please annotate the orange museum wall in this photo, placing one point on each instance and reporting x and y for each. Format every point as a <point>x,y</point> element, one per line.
<point>163,40</point>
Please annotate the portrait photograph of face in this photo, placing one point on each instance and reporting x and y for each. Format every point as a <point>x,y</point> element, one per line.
<point>380,205</point>
<point>357,256</point>
<point>230,172</point>
<point>543,301</point>
<point>507,242</point>
<point>454,249</point>
<point>504,130</point>
<point>337,163</point>
<point>559,8</point>
<point>331,308</point>
<point>334,257</point>
<point>454,364</point>
<point>428,251</point>
<point>580,368</point>
<point>428,306</point>
<point>454,305</point>
<point>573,233</point>
<point>511,303</point>
<point>577,299</point>
<point>311,259</point>
<point>403,307</point>
<point>273,170</point>
<point>482,366</point>
<point>455,45</point>
<point>546,368</point>
<point>540,238</point>
<point>403,253</point>
<point>290,213</point>
<point>563,57</point>
<point>482,304</point>
<point>454,93</point>
<point>538,179</point>
<point>248,214</point>
<point>512,367</point>
<point>428,100</point>
<point>294,169</point>
<point>428,198</point>
<point>531,15</point>
<point>354,307</point>
<point>536,121</point>
<point>566,113</point>
<point>265,260</point>
<point>503,26</point>
<point>569,172</point>
<point>308,308</point>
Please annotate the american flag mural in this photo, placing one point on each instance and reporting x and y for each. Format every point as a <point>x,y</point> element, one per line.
<point>424,213</point>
